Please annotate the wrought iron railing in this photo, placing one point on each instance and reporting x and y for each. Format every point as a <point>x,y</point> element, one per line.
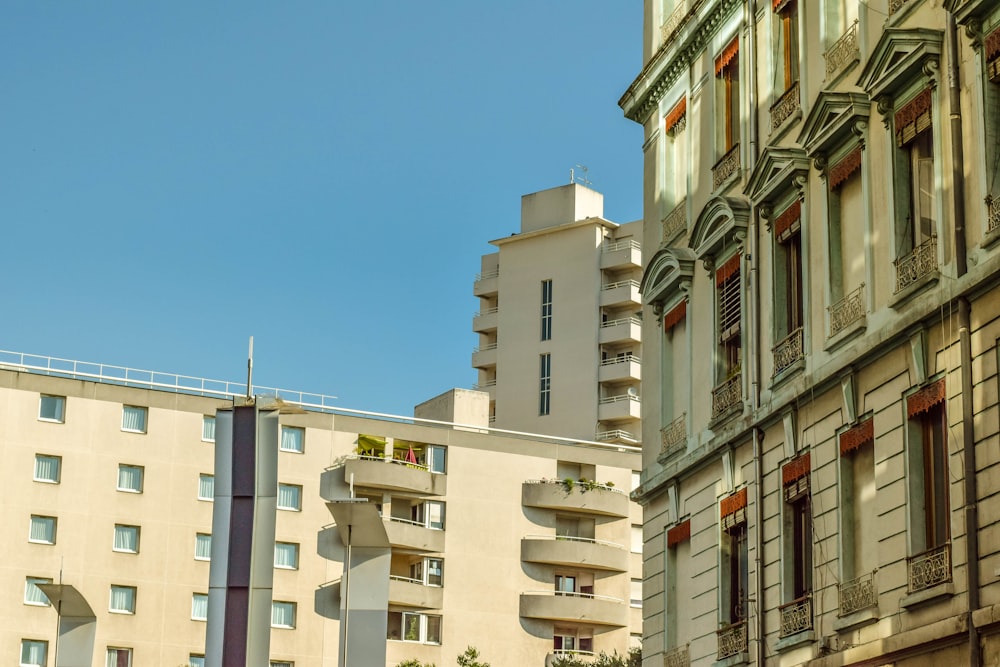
<point>727,165</point>
<point>677,657</point>
<point>930,568</point>
<point>916,264</point>
<point>843,52</point>
<point>788,351</point>
<point>673,436</point>
<point>857,594</point>
<point>675,222</point>
<point>786,105</point>
<point>896,5</point>
<point>673,22</point>
<point>796,616</point>
<point>992,213</point>
<point>727,395</point>
<point>732,640</point>
<point>847,311</point>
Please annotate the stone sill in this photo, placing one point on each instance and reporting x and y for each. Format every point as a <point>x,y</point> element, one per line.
<point>733,660</point>
<point>856,620</point>
<point>797,639</point>
<point>794,369</point>
<point>899,299</point>
<point>842,71</point>
<point>787,124</point>
<point>846,334</point>
<point>928,595</point>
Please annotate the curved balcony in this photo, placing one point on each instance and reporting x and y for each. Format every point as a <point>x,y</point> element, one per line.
<point>574,608</point>
<point>405,534</point>
<point>381,473</point>
<point>557,495</point>
<point>574,552</point>
<point>414,593</point>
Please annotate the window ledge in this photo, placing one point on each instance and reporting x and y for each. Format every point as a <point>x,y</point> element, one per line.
<point>781,378</point>
<point>991,238</point>
<point>847,333</point>
<point>785,126</point>
<point>899,299</point>
<point>798,639</point>
<point>895,19</point>
<point>733,660</point>
<point>928,595</point>
<point>842,71</point>
<point>856,620</point>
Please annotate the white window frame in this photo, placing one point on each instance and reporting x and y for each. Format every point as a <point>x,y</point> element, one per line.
<point>203,480</point>
<point>295,448</point>
<point>136,530</point>
<point>544,384</point>
<point>196,660</point>
<point>111,659</point>
<point>39,517</point>
<point>435,454</point>
<point>58,468</point>
<point>282,663</point>
<point>130,608</point>
<point>284,604</point>
<point>635,601</point>
<point>31,584</point>
<point>197,600</point>
<point>298,498</point>
<point>34,642</point>
<point>60,401</point>
<point>294,548</point>
<point>128,410</point>
<point>208,428</point>
<point>127,489</point>
<point>200,538</point>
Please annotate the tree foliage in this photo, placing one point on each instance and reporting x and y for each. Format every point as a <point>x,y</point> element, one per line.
<point>471,658</point>
<point>415,663</point>
<point>632,659</point>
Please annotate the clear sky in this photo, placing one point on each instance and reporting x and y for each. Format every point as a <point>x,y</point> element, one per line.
<point>323,175</point>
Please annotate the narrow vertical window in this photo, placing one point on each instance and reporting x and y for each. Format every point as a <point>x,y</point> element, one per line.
<point>199,607</point>
<point>202,546</point>
<point>787,44</point>
<point>796,612</point>
<point>727,72</point>
<point>206,487</point>
<point>546,310</point>
<point>545,384</point>
<point>208,428</point>
<point>727,286</point>
<point>916,192</point>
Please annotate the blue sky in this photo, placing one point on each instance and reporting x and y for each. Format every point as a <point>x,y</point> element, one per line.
<point>175,177</point>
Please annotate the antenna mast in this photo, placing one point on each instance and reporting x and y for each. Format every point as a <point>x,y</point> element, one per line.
<point>250,371</point>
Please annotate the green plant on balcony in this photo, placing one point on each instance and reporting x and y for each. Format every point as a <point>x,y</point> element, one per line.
<point>632,659</point>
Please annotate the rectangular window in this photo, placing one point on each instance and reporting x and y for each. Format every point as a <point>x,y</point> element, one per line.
<point>206,487</point>
<point>47,468</point>
<point>727,72</point>
<point>33,594</point>
<point>735,562</point>
<point>565,584</point>
<point>42,530</point>
<point>202,546</point>
<point>787,45</point>
<point>122,600</point>
<point>545,384</point>
<point>118,657</point>
<point>637,539</point>
<point>52,409</point>
<point>286,555</point>
<point>199,607</point>
<point>546,310</point>
<point>635,596</point>
<point>282,663</point>
<point>134,418</point>
<point>437,458</point>
<point>727,281</point>
<point>292,439</point>
<point>282,614</point>
<point>798,531</point>
<point>790,247</point>
<point>130,478</point>
<point>126,539</point>
<point>413,627</point>
<point>916,193</point>
<point>34,653</point>
<point>289,497</point>
<point>196,660</point>
<point>208,428</point>
<point>846,229</point>
<point>932,471</point>
<point>428,571</point>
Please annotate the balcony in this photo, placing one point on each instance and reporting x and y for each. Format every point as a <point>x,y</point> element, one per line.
<point>624,407</point>
<point>992,213</point>
<point>726,168</point>
<point>414,593</point>
<point>575,496</point>
<point>620,293</point>
<point>857,594</point>
<point>918,264</point>
<point>406,534</point>
<point>485,320</point>
<point>796,616</point>
<point>785,107</point>
<point>675,222</point>
<point>673,23</point>
<point>673,437</point>
<point>732,640</point>
<point>617,436</point>
<point>621,255</point>
<point>843,53</point>
<point>485,356</point>
<point>929,569</point>
<point>381,473</point>
<point>575,552</point>
<point>848,311</point>
<point>727,396</point>
<point>574,608</point>
<point>787,352</point>
<point>896,5</point>
<point>677,657</point>
<point>620,369</point>
<point>625,330</point>
<point>486,283</point>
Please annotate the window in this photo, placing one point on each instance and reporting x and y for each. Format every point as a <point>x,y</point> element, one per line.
<point>674,160</point>
<point>292,439</point>
<point>859,543</point>
<point>437,458</point>
<point>727,73</point>
<point>208,428</point>
<point>199,607</point>
<point>289,497</point>
<point>846,213</point>
<point>735,560</point>
<point>33,594</point>
<point>430,513</point>
<point>928,466</point>
<point>282,614</point>
<point>545,384</point>
<point>130,478</point>
<point>565,584</point>
<point>566,640</point>
<point>915,191</point>
<point>727,286</point>
<point>196,660</point>
<point>413,627</point>
<point>206,487</point>
<point>637,539</point>
<point>797,530</point>
<point>428,571</point>
<point>282,663</point>
<point>122,600</point>
<point>34,652</point>
<point>47,468</point>
<point>126,539</point>
<point>134,418</point>
<point>635,595</point>
<point>286,555</point>
<point>52,409</point>
<point>636,480</point>
<point>119,657</point>
<point>546,310</point>
<point>42,530</point>
<point>786,44</point>
<point>202,546</point>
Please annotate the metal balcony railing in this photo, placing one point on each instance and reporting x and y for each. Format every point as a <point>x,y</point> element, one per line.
<point>487,311</point>
<point>727,165</point>
<point>672,24</point>
<point>847,311</point>
<point>484,348</point>
<point>616,435</point>
<point>625,320</point>
<point>786,105</point>
<point>992,213</point>
<point>796,616</point>
<point>677,657</point>
<point>727,395</point>
<point>611,361</point>
<point>675,222</point>
<point>896,5</point>
<point>485,275</point>
<point>918,263</point>
<point>788,351</point>
<point>857,594</point>
<point>843,52</point>
<point>630,244</point>
<point>929,569</point>
<point>620,283</point>
<point>673,436</point>
<point>732,640</point>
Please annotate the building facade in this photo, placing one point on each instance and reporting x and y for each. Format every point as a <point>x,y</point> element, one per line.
<point>820,401</point>
<point>109,488</point>
<point>559,333</point>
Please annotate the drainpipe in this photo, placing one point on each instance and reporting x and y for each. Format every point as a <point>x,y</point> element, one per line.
<point>965,344</point>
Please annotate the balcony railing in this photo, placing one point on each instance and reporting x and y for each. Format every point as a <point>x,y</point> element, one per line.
<point>843,52</point>
<point>732,640</point>
<point>677,657</point>
<point>930,568</point>
<point>485,385</point>
<point>673,436</point>
<point>727,395</point>
<point>675,222</point>
<point>918,263</point>
<point>616,435</point>
<point>620,283</point>
<point>992,213</point>
<point>786,105</point>
<point>847,311</point>
<point>611,361</point>
<point>630,244</point>
<point>796,616</point>
<point>624,320</point>
<point>487,311</point>
<point>896,5</point>
<point>485,275</point>
<point>618,399</point>
<point>673,22</point>
<point>727,165</point>
<point>484,348</point>
<point>858,594</point>
<point>788,351</point>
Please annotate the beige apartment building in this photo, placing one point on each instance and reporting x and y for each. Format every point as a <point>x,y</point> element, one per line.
<point>821,298</point>
<point>108,492</point>
<point>559,328</point>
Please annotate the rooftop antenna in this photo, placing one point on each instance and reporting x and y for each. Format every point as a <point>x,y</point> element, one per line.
<point>250,371</point>
<point>582,180</point>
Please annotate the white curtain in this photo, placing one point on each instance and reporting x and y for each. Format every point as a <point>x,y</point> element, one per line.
<point>122,598</point>
<point>47,467</point>
<point>33,594</point>
<point>202,546</point>
<point>133,418</point>
<point>283,614</point>
<point>288,496</point>
<point>208,428</point>
<point>291,438</point>
<point>43,529</point>
<point>199,607</point>
<point>126,538</point>
<point>286,555</point>
<point>33,652</point>
<point>130,478</point>
<point>206,486</point>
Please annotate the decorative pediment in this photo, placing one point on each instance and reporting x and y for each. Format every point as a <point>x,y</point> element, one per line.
<point>901,57</point>
<point>778,171</point>
<point>970,13</point>
<point>722,220</point>
<point>668,271</point>
<point>832,120</point>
